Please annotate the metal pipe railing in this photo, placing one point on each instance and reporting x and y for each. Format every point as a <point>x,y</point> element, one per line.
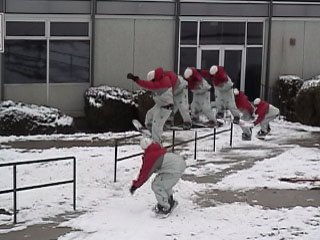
<point>16,189</point>
<point>116,159</point>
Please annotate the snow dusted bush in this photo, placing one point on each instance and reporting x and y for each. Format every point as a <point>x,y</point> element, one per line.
<point>307,105</point>
<point>288,87</point>
<point>110,108</point>
<point>29,119</point>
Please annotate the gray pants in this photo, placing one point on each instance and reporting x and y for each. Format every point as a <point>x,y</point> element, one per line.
<point>201,104</point>
<point>225,100</point>
<point>246,116</point>
<point>271,115</point>
<point>181,103</point>
<point>155,120</point>
<point>171,171</point>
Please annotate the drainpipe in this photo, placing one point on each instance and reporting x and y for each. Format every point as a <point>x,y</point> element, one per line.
<point>176,37</point>
<point>266,90</point>
<point>2,56</point>
<point>93,10</point>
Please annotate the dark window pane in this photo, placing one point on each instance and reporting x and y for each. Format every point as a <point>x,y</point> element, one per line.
<point>188,33</point>
<point>253,73</point>
<point>188,58</point>
<point>232,64</point>
<point>209,58</point>
<point>25,61</point>
<point>255,33</point>
<point>69,29</point>
<point>69,61</point>
<point>222,33</point>
<point>25,28</point>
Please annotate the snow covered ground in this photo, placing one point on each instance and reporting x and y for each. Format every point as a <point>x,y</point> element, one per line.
<point>109,211</point>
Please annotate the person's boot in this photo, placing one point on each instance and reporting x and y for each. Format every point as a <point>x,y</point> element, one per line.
<point>236,120</point>
<point>186,125</point>
<point>246,137</point>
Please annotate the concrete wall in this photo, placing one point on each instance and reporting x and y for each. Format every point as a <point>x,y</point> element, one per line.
<point>311,66</point>
<point>69,98</point>
<point>303,58</point>
<point>131,45</point>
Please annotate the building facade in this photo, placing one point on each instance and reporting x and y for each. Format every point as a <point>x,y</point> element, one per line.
<point>55,49</point>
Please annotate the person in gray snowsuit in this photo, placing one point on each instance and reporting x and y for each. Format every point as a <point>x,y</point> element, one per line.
<point>168,168</point>
<point>180,95</point>
<point>246,108</point>
<point>265,113</point>
<point>223,87</point>
<point>201,96</point>
<point>162,92</point>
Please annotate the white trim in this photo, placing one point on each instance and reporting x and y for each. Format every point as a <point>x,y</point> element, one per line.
<point>296,3</point>
<point>223,1</point>
<point>225,19</point>
<point>295,19</point>
<point>133,17</point>
<point>44,17</point>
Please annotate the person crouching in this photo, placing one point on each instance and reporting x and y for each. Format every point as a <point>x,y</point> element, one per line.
<point>168,168</point>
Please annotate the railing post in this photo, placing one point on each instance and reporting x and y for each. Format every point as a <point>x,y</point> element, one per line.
<point>173,139</point>
<point>15,194</point>
<point>74,183</point>
<point>231,133</point>
<point>195,144</point>
<point>214,139</point>
<point>115,160</point>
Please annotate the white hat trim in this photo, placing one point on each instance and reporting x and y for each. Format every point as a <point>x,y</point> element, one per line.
<point>256,101</point>
<point>150,75</point>
<point>145,142</point>
<point>187,73</point>
<point>213,70</point>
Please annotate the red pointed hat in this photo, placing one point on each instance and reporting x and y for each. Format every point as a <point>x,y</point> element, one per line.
<point>218,72</point>
<point>158,72</point>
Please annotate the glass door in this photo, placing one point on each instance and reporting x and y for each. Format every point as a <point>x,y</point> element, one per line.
<point>230,57</point>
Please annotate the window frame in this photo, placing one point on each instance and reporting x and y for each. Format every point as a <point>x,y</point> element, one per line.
<point>48,19</point>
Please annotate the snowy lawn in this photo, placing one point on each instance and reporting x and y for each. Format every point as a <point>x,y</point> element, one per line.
<point>110,212</point>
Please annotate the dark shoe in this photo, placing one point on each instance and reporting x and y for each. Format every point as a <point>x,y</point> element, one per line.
<point>186,125</point>
<point>262,133</point>
<point>269,129</point>
<point>159,209</point>
<point>220,115</point>
<point>171,201</point>
<point>236,120</point>
<point>246,137</point>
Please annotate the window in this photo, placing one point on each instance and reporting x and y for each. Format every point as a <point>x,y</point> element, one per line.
<point>222,33</point>
<point>15,28</point>
<point>253,72</point>
<point>255,33</point>
<point>27,44</point>
<point>25,61</point>
<point>188,58</point>
<point>189,33</point>
<point>69,29</point>
<point>69,61</point>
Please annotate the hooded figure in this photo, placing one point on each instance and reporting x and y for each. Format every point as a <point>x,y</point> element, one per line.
<point>223,91</point>
<point>168,168</point>
<point>201,96</point>
<point>265,113</point>
<point>246,109</point>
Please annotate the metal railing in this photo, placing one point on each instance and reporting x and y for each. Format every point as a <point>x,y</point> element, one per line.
<point>18,189</point>
<point>172,146</point>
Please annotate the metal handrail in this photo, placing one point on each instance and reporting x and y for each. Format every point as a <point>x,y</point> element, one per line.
<point>116,159</point>
<point>16,189</point>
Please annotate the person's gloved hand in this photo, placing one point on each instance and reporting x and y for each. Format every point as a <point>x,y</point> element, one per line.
<point>132,189</point>
<point>132,77</point>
